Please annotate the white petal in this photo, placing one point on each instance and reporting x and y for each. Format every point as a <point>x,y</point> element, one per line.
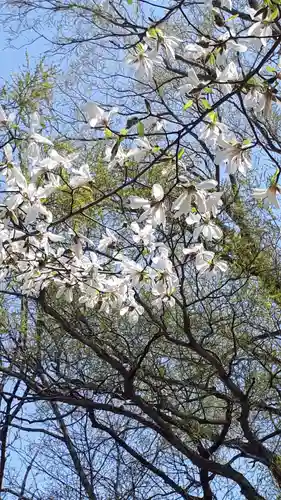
<point>135,227</point>
<point>40,139</point>
<point>138,202</point>
<point>8,152</point>
<point>259,194</point>
<point>208,184</point>
<point>157,192</point>
<point>222,266</point>
<point>19,178</point>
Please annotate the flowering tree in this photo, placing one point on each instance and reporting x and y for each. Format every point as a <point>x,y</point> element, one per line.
<point>151,240</point>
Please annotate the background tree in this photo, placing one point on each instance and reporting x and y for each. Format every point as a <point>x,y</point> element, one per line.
<point>137,364</point>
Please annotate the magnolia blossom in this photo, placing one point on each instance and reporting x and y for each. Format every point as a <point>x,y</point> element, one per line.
<point>262,30</point>
<point>142,149</point>
<point>235,156</point>
<point>119,158</point>
<point>210,132</point>
<point>208,229</point>
<point>195,51</point>
<point>81,177</point>
<point>143,61</point>
<point>214,202</point>
<point>132,311</point>
<point>143,235</point>
<point>107,241</point>
<point>153,123</point>
<point>192,193</point>
<point>204,226</point>
<point>268,195</point>
<point>261,101</point>
<point>4,119</point>
<point>154,210</point>
<point>228,74</point>
<point>192,81</point>
<point>97,117</point>
<point>28,197</point>
<point>255,100</point>
<point>169,43</point>
<point>135,273</point>
<point>206,263</point>
<point>193,249</point>
<point>227,43</point>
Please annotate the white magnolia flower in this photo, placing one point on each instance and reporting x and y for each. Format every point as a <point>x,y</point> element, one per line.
<point>49,238</point>
<point>133,312</point>
<point>107,241</point>
<point>214,202</point>
<point>165,280</point>
<point>194,249</point>
<point>134,272</point>
<point>65,289</point>
<point>227,43</point>
<point>236,157</point>
<point>193,218</point>
<point>154,210</point>
<point>207,228</point>
<point>195,51</point>
<point>268,195</point>
<point>8,151</point>
<point>143,61</point>
<point>119,158</point>
<point>80,176</point>
<point>153,124</point>
<point>167,300</point>
<point>227,75</point>
<point>143,235</point>
<point>170,43</point>
<point>142,149</point>
<point>4,119</point>
<point>210,132</point>
<point>260,29</point>
<point>192,82</point>
<point>193,193</point>
<point>255,100</point>
<point>205,263</point>
<point>97,117</point>
<point>40,139</point>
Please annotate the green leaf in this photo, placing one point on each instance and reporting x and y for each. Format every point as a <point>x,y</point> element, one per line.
<point>123,131</point>
<point>155,149</point>
<point>213,116</point>
<point>130,2</point>
<point>152,32</point>
<point>208,90</point>
<point>162,371</point>
<point>270,69</point>
<point>231,18</point>
<point>206,104</point>
<point>247,142</point>
<point>108,133</point>
<point>212,59</point>
<point>180,153</point>
<point>140,129</point>
<point>274,14</point>
<point>188,104</point>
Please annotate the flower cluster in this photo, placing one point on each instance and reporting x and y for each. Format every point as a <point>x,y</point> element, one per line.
<point>115,271</point>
